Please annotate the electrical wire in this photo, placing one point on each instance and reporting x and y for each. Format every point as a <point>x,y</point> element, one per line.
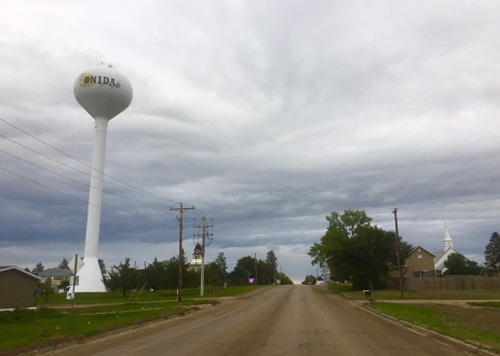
<point>73,197</point>
<point>133,189</point>
<point>82,183</point>
<point>136,190</point>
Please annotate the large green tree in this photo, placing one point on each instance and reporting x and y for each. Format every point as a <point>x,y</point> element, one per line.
<point>104,272</point>
<point>310,279</point>
<point>283,278</point>
<point>244,269</point>
<point>221,264</point>
<point>64,264</point>
<point>190,279</point>
<point>266,271</point>
<point>155,275</point>
<point>354,249</point>
<point>38,268</point>
<point>123,277</point>
<point>102,267</point>
<point>458,265</point>
<point>492,252</point>
<point>216,272</point>
<point>220,268</point>
<point>270,268</point>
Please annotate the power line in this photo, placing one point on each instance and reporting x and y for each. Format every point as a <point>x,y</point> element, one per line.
<point>136,190</point>
<point>42,185</point>
<point>71,196</point>
<point>133,189</point>
<point>79,182</point>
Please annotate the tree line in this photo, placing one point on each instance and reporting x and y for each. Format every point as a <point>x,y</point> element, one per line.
<point>159,275</point>
<point>356,250</point>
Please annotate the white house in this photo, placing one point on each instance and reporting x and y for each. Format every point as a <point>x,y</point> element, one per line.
<point>442,255</point>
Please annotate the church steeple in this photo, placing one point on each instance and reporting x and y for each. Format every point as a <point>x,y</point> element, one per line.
<point>448,242</point>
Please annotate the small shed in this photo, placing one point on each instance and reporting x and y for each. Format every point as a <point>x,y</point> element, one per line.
<point>17,288</point>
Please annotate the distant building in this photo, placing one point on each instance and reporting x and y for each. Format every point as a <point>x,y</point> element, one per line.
<point>419,263</point>
<point>195,264</point>
<point>492,270</point>
<point>56,276</point>
<point>18,288</point>
<point>442,255</point>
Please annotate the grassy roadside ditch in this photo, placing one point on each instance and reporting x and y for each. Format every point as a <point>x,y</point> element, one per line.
<point>475,322</point>
<point>55,321</point>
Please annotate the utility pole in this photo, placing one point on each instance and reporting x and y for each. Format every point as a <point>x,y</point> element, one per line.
<point>73,291</point>
<point>274,272</point>
<point>181,220</point>
<point>398,253</point>
<point>255,268</point>
<point>206,239</point>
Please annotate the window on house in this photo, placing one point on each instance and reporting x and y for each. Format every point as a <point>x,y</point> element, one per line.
<point>420,257</point>
<point>423,272</point>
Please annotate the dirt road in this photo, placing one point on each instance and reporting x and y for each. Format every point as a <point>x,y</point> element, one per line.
<point>281,320</point>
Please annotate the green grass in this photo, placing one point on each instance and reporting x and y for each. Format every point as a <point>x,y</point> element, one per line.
<point>229,292</point>
<point>486,304</point>
<point>439,321</point>
<point>428,317</point>
<point>145,296</point>
<point>24,327</point>
<point>348,292</point>
<point>115,297</point>
<point>94,313</point>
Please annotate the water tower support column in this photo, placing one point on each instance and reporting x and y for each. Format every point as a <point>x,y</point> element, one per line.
<point>96,186</point>
<point>90,276</point>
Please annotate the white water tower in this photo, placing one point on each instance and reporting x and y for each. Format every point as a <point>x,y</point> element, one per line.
<point>104,93</point>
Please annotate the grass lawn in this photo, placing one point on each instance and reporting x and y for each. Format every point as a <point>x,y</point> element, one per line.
<point>480,324</point>
<point>394,294</point>
<point>94,313</point>
<point>444,321</point>
<point>24,327</point>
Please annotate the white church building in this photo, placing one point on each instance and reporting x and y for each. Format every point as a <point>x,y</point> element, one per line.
<point>197,260</point>
<point>442,255</point>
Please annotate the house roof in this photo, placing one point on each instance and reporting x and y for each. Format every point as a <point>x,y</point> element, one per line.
<point>15,268</point>
<point>439,254</point>
<point>421,248</point>
<point>55,272</point>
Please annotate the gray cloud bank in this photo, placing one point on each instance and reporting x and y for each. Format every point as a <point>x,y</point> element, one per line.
<point>264,116</point>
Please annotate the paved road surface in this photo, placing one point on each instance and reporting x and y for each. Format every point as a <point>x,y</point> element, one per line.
<point>281,320</point>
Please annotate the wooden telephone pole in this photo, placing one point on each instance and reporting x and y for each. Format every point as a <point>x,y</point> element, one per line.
<point>181,227</point>
<point>256,268</point>
<point>398,253</point>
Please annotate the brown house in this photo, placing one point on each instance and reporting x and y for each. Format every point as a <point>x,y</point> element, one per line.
<point>17,288</point>
<point>420,263</point>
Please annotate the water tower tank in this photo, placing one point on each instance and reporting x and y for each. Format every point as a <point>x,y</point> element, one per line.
<point>103,91</point>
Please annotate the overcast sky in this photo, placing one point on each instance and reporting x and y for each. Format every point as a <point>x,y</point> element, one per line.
<point>264,115</point>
